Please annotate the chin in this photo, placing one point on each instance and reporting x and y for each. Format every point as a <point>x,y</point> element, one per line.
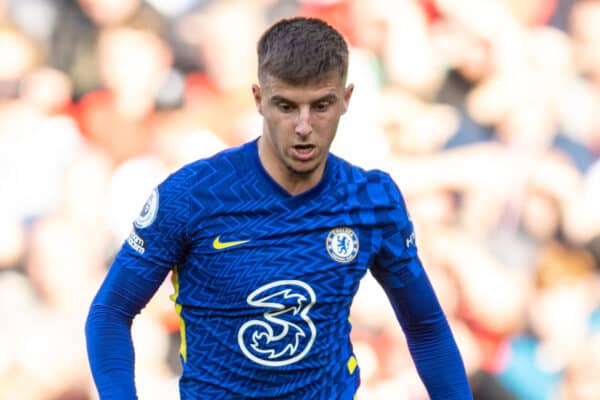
<point>303,170</point>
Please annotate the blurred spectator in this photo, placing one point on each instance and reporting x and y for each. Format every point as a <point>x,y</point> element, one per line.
<point>133,64</point>
<point>558,314</point>
<point>582,378</point>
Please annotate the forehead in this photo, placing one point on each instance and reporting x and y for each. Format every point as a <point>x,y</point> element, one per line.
<point>330,84</point>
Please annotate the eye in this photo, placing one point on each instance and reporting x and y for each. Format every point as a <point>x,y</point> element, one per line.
<point>322,106</point>
<point>285,107</point>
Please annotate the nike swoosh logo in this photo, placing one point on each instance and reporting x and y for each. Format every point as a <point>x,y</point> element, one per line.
<point>218,245</point>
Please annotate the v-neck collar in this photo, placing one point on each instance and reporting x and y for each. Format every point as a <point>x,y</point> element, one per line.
<point>256,164</point>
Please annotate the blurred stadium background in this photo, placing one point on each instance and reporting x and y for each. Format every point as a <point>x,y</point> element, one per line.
<point>486,112</point>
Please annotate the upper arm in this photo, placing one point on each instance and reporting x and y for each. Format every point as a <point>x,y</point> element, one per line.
<point>157,242</point>
<point>396,262</point>
<point>160,233</point>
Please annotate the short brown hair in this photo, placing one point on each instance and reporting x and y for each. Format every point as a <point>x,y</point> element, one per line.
<point>301,50</point>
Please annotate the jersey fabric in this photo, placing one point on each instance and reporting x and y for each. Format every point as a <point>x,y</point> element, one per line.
<point>264,280</point>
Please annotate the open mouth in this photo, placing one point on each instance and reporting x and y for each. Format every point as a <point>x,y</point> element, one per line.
<point>303,151</point>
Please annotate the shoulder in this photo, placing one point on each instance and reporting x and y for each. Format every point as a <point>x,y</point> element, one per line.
<point>378,184</point>
<point>217,165</point>
<point>196,180</point>
<point>354,173</point>
<point>227,158</point>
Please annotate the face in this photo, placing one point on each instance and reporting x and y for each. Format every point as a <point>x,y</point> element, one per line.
<point>299,125</point>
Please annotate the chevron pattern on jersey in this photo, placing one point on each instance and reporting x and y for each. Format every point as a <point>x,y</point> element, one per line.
<point>266,314</point>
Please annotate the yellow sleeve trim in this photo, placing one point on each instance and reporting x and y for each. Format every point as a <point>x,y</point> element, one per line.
<point>352,363</point>
<point>178,308</point>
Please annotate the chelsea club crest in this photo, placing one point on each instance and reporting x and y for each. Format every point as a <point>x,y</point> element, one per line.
<point>342,244</point>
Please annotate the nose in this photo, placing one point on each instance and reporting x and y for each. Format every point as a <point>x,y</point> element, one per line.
<point>303,127</point>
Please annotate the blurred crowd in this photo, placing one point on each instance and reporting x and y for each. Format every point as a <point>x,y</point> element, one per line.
<point>485,112</point>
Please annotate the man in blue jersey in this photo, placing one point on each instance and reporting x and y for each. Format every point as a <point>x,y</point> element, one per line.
<point>267,244</point>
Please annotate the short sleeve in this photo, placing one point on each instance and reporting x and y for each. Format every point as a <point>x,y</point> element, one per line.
<point>396,262</point>
<point>158,240</point>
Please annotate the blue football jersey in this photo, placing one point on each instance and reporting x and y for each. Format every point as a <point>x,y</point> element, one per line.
<point>264,280</point>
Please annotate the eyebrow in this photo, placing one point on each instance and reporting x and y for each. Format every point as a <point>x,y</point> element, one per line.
<point>327,98</point>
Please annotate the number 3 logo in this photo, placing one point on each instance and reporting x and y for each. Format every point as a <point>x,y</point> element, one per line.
<point>285,333</point>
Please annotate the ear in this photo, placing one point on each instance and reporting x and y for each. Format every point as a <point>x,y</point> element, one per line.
<point>257,98</point>
<point>347,95</point>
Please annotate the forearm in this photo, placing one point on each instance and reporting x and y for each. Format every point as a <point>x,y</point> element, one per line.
<point>110,352</point>
<point>438,360</point>
<point>108,330</point>
<point>429,338</point>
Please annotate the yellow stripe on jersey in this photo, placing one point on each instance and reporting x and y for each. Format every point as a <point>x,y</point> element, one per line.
<point>178,308</point>
<point>352,363</point>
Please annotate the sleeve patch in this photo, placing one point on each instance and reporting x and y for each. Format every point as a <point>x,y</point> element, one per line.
<point>136,242</point>
<point>149,211</point>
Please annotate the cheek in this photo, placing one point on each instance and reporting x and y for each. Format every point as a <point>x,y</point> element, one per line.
<point>279,131</point>
<point>327,127</point>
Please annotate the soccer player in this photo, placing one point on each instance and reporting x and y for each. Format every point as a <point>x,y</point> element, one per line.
<point>267,244</point>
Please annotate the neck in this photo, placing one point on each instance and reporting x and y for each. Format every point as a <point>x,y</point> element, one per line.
<point>294,183</point>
